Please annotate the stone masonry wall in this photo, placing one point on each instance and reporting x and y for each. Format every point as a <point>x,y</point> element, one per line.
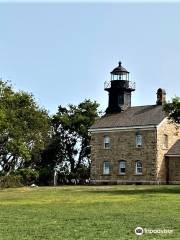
<point>174,167</point>
<point>173,133</point>
<point>123,147</point>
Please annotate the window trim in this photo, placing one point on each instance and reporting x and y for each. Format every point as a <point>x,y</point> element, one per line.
<point>104,169</point>
<point>136,168</point>
<point>122,161</point>
<point>141,140</point>
<point>165,141</point>
<point>107,142</point>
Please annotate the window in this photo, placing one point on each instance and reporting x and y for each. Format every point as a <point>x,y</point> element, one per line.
<point>106,167</point>
<point>106,142</point>
<point>138,167</point>
<point>120,99</point>
<point>127,99</point>
<point>138,140</point>
<point>122,167</point>
<point>165,141</point>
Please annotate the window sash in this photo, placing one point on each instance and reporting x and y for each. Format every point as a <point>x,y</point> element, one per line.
<point>106,168</point>
<point>106,142</point>
<point>138,140</point>
<point>138,167</point>
<point>122,167</point>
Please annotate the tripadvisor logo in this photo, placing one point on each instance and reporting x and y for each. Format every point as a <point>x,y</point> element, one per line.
<point>139,231</point>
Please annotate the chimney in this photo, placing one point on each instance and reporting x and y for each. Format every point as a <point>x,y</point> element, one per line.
<point>161,96</point>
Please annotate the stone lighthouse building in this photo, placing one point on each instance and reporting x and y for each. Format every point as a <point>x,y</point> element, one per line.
<point>133,144</point>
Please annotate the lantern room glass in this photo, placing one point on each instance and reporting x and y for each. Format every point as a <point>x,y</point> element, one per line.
<point>122,76</point>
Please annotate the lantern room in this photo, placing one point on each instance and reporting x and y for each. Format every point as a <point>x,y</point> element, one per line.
<point>119,73</point>
<point>119,89</point>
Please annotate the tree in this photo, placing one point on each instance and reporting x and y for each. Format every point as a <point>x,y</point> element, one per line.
<point>24,126</point>
<point>70,143</point>
<point>173,109</point>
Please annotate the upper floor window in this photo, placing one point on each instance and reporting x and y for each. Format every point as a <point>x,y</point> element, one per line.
<point>122,167</point>
<point>138,167</point>
<point>138,140</point>
<point>106,167</point>
<point>106,142</point>
<point>165,141</point>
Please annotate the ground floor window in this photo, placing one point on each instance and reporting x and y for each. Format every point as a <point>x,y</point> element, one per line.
<point>106,167</point>
<point>138,167</point>
<point>122,167</point>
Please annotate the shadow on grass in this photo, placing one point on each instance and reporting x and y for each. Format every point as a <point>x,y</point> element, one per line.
<point>161,190</point>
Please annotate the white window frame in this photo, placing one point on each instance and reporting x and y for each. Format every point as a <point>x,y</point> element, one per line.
<point>138,167</point>
<point>106,167</point>
<point>138,140</point>
<point>165,141</point>
<point>107,142</point>
<point>121,163</point>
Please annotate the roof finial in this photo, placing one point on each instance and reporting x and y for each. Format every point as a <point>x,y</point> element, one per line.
<point>119,63</point>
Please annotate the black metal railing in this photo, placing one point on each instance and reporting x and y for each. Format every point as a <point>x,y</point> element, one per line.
<point>129,84</point>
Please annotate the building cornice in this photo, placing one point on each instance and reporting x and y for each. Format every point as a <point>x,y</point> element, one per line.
<point>115,129</point>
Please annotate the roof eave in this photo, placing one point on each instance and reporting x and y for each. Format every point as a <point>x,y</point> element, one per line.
<point>112,129</point>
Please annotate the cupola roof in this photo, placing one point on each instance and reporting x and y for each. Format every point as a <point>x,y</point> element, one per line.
<point>119,70</point>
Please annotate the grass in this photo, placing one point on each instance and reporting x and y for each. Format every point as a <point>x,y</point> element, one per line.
<point>89,212</point>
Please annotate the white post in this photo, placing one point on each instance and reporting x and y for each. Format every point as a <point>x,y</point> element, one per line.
<point>55,177</point>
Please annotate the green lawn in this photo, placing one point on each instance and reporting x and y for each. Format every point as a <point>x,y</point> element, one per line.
<point>89,212</point>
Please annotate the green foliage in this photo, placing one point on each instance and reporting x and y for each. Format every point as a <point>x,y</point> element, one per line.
<point>83,172</point>
<point>70,143</point>
<point>29,176</point>
<point>63,173</point>
<point>23,128</point>
<point>30,139</point>
<point>10,181</point>
<point>173,109</point>
<point>46,175</point>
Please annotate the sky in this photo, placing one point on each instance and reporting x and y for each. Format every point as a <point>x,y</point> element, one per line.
<point>64,52</point>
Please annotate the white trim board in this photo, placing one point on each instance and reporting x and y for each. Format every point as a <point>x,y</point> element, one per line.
<point>97,130</point>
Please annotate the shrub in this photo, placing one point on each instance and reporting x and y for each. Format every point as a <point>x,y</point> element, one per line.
<point>28,175</point>
<point>46,176</point>
<point>10,181</point>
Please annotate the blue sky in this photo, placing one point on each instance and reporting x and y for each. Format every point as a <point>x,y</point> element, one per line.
<point>63,52</point>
